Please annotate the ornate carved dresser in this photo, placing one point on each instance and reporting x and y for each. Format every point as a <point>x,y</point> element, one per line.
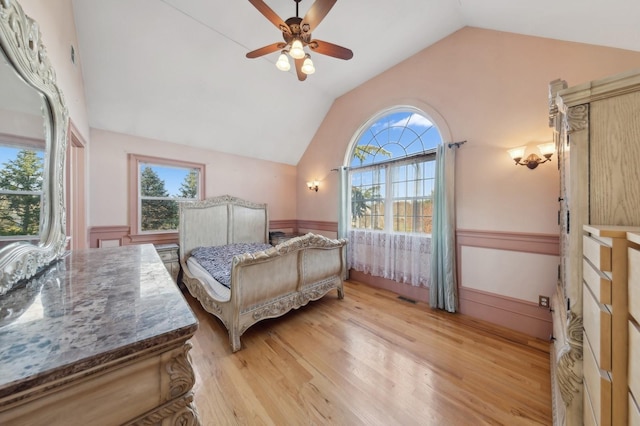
<point>99,338</point>
<point>597,133</point>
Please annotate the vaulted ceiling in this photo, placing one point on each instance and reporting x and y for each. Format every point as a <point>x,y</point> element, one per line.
<point>175,70</point>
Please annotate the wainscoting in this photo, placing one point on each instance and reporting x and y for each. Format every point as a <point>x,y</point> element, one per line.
<point>110,236</point>
<point>511,312</point>
<point>515,313</point>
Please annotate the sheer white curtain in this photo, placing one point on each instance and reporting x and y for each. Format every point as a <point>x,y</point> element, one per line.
<point>404,258</point>
<point>398,256</point>
<point>443,292</point>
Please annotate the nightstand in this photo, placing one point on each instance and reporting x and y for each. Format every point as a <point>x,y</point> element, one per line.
<point>169,256</point>
<point>279,238</point>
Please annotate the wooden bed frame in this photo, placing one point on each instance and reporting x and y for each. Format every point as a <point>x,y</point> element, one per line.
<point>266,284</point>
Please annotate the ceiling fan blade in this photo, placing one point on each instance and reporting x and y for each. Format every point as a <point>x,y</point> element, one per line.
<point>301,76</point>
<point>270,15</point>
<point>330,49</point>
<point>316,14</point>
<point>265,50</point>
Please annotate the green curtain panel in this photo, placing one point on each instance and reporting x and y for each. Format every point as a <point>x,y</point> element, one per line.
<point>443,291</point>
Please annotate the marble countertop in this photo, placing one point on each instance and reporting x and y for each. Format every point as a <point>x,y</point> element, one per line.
<point>93,307</point>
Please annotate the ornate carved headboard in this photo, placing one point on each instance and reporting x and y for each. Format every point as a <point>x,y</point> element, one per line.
<point>221,220</point>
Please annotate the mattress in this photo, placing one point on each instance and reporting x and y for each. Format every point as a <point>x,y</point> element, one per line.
<point>215,289</point>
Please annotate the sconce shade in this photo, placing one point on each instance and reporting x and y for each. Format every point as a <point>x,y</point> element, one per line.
<point>517,153</point>
<point>296,51</point>
<point>547,148</point>
<point>313,185</point>
<point>283,62</point>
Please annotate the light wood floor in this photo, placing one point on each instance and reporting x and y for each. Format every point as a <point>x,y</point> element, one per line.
<point>370,359</point>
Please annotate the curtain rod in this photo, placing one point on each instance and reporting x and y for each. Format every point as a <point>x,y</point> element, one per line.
<point>456,144</point>
<point>449,145</point>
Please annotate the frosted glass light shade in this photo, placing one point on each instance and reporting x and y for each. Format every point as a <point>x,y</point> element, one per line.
<point>547,148</point>
<point>517,153</point>
<point>296,51</point>
<point>307,67</point>
<point>283,63</point>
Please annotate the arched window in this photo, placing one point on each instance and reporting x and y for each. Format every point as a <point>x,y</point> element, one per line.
<point>391,173</point>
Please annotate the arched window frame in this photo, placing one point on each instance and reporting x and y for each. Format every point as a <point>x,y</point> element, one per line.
<point>416,160</point>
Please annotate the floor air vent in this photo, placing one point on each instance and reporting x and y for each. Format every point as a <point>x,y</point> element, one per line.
<point>406,299</point>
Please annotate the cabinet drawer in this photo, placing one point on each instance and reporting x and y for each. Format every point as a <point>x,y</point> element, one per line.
<point>598,253</point>
<point>588,414</point>
<point>634,283</point>
<point>634,412</point>
<point>634,360</point>
<point>597,328</point>
<point>599,283</point>
<point>597,386</point>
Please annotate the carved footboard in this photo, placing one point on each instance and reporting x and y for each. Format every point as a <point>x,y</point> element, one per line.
<point>270,283</point>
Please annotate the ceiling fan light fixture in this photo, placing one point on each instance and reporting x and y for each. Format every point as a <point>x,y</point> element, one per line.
<point>296,51</point>
<point>307,66</point>
<point>283,62</point>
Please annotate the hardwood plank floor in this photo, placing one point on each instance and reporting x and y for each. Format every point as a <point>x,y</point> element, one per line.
<point>370,359</point>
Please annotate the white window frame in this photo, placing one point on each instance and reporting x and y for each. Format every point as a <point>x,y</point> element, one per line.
<point>135,199</point>
<point>388,198</point>
<point>26,143</point>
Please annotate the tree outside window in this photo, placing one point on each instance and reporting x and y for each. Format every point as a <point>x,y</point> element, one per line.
<point>161,187</point>
<point>21,178</point>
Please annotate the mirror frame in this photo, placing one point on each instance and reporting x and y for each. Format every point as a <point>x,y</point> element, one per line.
<point>21,42</point>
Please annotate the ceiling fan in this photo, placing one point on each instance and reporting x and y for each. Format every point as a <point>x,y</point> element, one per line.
<point>296,32</point>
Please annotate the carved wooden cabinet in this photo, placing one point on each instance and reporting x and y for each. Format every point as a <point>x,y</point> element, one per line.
<point>597,133</point>
<point>100,338</point>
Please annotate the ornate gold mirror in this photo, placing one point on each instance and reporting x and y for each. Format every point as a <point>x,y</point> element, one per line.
<point>33,126</point>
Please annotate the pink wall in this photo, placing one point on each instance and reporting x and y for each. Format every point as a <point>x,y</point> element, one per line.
<point>58,29</point>
<point>256,180</point>
<point>491,89</point>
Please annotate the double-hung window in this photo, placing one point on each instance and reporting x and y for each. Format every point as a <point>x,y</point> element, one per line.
<point>158,185</point>
<point>395,196</point>
<point>21,179</point>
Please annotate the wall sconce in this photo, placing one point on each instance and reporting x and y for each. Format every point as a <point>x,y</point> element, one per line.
<point>532,161</point>
<point>313,185</point>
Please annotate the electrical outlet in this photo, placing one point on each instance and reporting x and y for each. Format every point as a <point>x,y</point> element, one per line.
<point>543,301</point>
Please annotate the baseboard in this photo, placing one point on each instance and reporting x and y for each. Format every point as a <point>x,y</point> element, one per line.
<point>516,314</point>
<point>420,294</point>
<point>507,312</point>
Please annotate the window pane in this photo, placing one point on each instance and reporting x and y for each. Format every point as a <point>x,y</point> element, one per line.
<point>159,215</point>
<point>160,188</point>
<point>21,176</point>
<point>164,181</point>
<point>412,197</point>
<point>20,214</point>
